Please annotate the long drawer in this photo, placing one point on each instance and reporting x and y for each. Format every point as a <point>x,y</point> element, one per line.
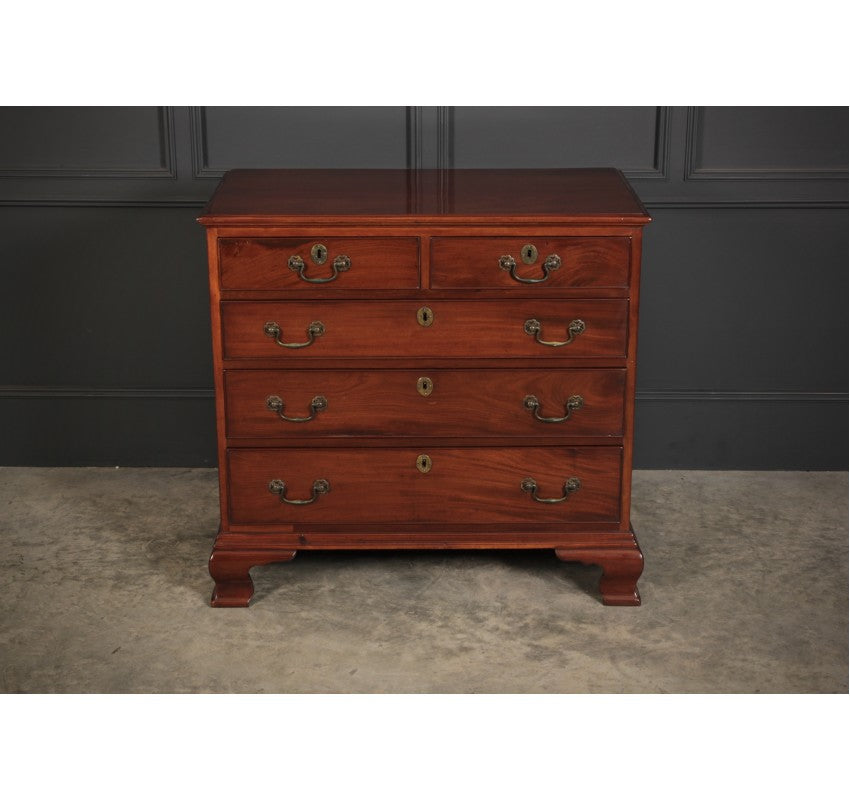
<point>442,485</point>
<point>441,402</point>
<point>327,264</point>
<point>471,262</point>
<point>533,329</point>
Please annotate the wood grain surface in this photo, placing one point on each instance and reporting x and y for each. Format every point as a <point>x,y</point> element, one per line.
<point>462,403</point>
<point>425,247</point>
<point>261,263</point>
<point>461,328</point>
<point>269,196</point>
<point>473,262</point>
<point>465,485</point>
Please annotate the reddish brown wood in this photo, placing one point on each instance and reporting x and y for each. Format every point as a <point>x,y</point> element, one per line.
<point>462,403</point>
<point>413,362</point>
<point>465,262</point>
<point>230,571</point>
<point>428,295</point>
<point>474,485</point>
<point>462,328</point>
<point>631,380</point>
<point>621,561</point>
<point>620,558</point>
<point>414,225</point>
<point>218,370</point>
<point>423,442</point>
<point>262,263</point>
<point>257,197</point>
<point>425,238</point>
<point>422,537</point>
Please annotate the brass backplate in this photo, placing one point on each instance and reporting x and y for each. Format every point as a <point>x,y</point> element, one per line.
<point>425,317</point>
<point>423,463</point>
<point>424,386</point>
<point>319,253</point>
<point>528,254</point>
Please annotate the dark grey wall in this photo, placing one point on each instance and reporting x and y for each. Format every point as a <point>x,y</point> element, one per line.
<point>105,355</point>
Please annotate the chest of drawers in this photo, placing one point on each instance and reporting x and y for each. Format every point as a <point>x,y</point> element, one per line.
<point>422,360</point>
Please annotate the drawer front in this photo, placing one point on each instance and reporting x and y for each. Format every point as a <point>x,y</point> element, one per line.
<point>568,262</point>
<point>461,329</point>
<point>487,402</point>
<point>355,263</point>
<point>463,485</point>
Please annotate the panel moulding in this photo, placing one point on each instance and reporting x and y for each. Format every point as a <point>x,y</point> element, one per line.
<point>168,148</point>
<point>694,172</point>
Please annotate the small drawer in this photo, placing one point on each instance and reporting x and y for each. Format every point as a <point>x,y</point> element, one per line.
<point>503,262</point>
<point>319,264</point>
<point>426,402</point>
<point>421,485</point>
<point>528,329</point>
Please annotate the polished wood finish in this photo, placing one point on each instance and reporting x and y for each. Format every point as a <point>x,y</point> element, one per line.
<point>424,239</point>
<point>472,262</point>
<point>461,328</point>
<point>474,485</point>
<point>621,561</point>
<point>461,403</point>
<point>230,571</point>
<point>476,196</point>
<point>262,263</point>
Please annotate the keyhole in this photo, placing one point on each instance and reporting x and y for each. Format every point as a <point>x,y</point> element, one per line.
<point>319,253</point>
<point>528,253</point>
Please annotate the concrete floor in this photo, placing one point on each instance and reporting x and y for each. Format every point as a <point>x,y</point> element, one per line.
<point>104,588</point>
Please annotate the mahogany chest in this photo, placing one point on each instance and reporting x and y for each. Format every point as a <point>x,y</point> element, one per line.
<point>424,359</point>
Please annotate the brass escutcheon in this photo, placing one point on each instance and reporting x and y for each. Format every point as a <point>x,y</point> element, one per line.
<point>528,254</point>
<point>425,317</point>
<point>423,463</point>
<point>425,386</point>
<point>319,253</point>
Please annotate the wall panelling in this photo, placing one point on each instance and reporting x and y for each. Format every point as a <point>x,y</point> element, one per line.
<point>104,313</point>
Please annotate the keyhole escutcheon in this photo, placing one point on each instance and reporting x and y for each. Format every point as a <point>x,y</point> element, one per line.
<point>425,317</point>
<point>319,253</point>
<point>528,253</point>
<point>423,463</point>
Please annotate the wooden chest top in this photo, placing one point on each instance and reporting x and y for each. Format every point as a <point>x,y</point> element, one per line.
<point>259,196</point>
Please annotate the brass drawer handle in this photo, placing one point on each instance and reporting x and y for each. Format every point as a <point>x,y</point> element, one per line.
<point>314,329</point>
<point>340,264</point>
<point>551,263</point>
<point>575,402</point>
<point>320,486</point>
<point>533,328</point>
<point>530,485</point>
<point>317,404</point>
